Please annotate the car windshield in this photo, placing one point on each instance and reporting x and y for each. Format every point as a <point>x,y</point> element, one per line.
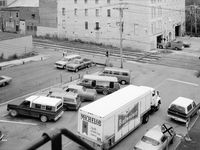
<point>178,108</point>
<point>150,140</point>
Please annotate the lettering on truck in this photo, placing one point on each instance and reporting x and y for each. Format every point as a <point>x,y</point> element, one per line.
<point>124,118</point>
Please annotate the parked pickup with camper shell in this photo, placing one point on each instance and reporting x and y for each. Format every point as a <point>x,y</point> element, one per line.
<point>183,109</point>
<point>176,45</point>
<point>42,107</point>
<point>79,64</point>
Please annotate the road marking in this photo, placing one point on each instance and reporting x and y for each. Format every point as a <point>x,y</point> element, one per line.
<point>190,83</point>
<point>16,122</point>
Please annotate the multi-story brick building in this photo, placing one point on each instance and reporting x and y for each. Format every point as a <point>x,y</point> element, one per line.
<point>145,22</point>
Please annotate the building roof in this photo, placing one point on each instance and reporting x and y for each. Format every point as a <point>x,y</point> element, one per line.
<point>111,103</point>
<point>24,3</point>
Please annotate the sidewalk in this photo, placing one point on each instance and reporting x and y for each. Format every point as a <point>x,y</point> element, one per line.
<point>7,64</point>
<point>194,135</point>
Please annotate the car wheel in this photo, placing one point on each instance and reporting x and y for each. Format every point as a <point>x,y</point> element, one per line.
<point>105,92</point>
<point>64,67</point>
<point>13,113</point>
<point>3,84</point>
<point>161,47</point>
<point>145,118</point>
<point>123,82</point>
<point>43,118</point>
<point>76,70</point>
<point>176,48</point>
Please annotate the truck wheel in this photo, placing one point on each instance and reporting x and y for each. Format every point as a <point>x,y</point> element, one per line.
<point>105,92</point>
<point>43,118</point>
<point>123,82</point>
<point>145,118</point>
<point>13,113</point>
<point>157,107</point>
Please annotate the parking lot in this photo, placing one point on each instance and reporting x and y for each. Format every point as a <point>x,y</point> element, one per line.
<point>171,82</point>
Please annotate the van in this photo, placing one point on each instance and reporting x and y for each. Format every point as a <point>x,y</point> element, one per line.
<point>65,60</point>
<point>123,75</point>
<point>71,100</point>
<point>102,84</point>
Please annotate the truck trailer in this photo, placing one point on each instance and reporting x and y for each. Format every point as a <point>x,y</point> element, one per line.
<point>105,122</point>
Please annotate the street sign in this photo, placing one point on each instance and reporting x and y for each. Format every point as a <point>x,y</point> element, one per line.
<point>166,129</point>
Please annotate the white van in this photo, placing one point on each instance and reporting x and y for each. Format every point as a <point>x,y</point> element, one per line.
<point>123,75</point>
<point>66,59</point>
<point>102,84</point>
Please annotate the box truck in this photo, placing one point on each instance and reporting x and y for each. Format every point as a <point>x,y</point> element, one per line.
<point>105,122</point>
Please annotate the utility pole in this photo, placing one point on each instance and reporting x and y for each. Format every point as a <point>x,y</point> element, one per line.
<point>195,18</point>
<point>121,23</point>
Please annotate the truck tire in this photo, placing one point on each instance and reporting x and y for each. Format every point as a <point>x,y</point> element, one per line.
<point>145,118</point>
<point>157,107</point>
<point>123,82</point>
<point>43,118</point>
<point>13,113</point>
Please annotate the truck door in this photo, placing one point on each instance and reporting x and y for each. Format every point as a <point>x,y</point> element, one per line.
<point>25,108</point>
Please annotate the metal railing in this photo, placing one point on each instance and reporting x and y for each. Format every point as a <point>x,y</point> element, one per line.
<point>55,136</point>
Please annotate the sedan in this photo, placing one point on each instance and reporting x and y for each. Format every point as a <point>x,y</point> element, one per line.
<point>4,80</point>
<point>157,138</point>
<point>85,94</point>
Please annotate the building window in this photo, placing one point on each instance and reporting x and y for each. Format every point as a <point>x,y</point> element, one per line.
<point>86,1</point>
<point>63,11</point>
<point>1,3</point>
<point>86,25</point>
<point>97,26</point>
<point>108,1</point>
<point>33,16</point>
<point>86,12</point>
<point>75,12</point>
<point>108,13</point>
<point>4,3</point>
<point>97,12</point>
<point>75,1</point>
<point>96,1</point>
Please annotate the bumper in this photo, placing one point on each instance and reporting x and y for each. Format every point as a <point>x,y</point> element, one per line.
<point>177,118</point>
<point>61,113</point>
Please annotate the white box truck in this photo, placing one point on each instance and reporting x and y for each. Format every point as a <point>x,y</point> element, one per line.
<point>106,121</point>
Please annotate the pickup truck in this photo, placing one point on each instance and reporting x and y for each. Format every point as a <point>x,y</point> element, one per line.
<point>42,107</point>
<point>183,109</point>
<point>4,80</point>
<point>177,45</point>
<point>79,64</point>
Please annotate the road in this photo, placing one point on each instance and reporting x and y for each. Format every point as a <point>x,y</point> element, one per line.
<point>171,82</point>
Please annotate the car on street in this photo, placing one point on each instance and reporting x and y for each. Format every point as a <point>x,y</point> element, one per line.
<point>176,45</point>
<point>157,138</point>
<point>5,80</point>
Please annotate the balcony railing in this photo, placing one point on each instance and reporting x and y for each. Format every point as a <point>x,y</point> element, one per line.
<point>55,136</point>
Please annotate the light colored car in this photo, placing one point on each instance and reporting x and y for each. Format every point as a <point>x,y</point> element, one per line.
<point>4,80</point>
<point>84,93</point>
<point>157,138</point>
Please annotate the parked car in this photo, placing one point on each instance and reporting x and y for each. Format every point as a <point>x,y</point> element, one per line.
<point>79,64</point>
<point>183,109</point>
<point>71,100</point>
<point>176,45</point>
<point>5,80</point>
<point>65,60</point>
<point>157,138</point>
<point>84,93</point>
